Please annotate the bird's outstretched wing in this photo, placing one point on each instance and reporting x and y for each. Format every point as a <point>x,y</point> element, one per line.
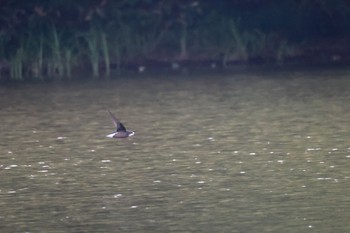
<point>118,125</point>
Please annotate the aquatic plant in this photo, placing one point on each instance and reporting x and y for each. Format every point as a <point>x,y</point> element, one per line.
<point>34,60</point>
<point>117,47</point>
<point>284,50</point>
<point>281,51</point>
<point>68,61</point>
<point>255,42</point>
<point>229,41</point>
<point>105,51</point>
<point>91,38</point>
<point>16,62</point>
<point>40,58</point>
<point>3,61</point>
<point>238,46</point>
<point>55,61</point>
<point>183,40</point>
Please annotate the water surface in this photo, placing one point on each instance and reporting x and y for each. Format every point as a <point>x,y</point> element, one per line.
<point>255,152</point>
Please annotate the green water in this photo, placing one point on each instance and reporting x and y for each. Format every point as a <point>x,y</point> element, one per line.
<point>266,152</point>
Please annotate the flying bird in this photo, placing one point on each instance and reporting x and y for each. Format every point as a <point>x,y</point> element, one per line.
<point>121,131</point>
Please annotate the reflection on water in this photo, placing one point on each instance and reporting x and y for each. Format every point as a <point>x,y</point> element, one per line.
<point>222,153</point>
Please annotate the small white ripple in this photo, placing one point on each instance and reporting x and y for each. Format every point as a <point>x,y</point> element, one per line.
<point>324,178</point>
<point>11,166</point>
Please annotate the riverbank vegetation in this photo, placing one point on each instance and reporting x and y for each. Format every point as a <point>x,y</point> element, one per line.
<point>58,39</point>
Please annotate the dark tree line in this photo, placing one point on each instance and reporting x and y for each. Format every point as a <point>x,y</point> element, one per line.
<point>53,38</point>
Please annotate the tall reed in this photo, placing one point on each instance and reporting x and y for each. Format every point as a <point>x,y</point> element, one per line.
<point>16,62</point>
<point>35,60</point>
<point>91,39</point>
<point>56,65</point>
<point>105,51</point>
<point>40,57</point>
<point>118,56</point>
<point>2,53</point>
<point>68,62</point>
<point>238,45</point>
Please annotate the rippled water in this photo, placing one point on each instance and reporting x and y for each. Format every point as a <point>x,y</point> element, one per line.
<point>257,152</point>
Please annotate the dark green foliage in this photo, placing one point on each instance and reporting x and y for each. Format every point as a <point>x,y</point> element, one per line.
<point>52,39</point>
